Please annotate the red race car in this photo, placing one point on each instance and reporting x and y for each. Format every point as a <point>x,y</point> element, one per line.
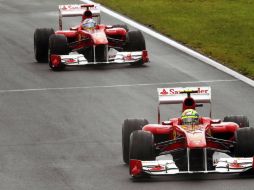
<point>89,42</point>
<point>190,143</point>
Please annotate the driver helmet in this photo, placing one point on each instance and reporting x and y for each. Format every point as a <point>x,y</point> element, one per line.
<point>190,117</point>
<point>88,24</point>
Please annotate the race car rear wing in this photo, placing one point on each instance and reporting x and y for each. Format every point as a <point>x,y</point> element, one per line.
<point>177,95</point>
<point>74,10</point>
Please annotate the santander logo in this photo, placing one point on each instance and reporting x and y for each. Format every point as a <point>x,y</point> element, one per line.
<point>174,91</point>
<point>164,92</point>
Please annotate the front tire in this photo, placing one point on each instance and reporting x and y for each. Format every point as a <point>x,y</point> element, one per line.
<point>135,41</point>
<point>142,145</point>
<point>245,142</point>
<point>128,127</point>
<point>58,45</point>
<point>41,44</point>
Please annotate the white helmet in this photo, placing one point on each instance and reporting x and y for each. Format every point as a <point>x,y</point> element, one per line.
<point>88,24</point>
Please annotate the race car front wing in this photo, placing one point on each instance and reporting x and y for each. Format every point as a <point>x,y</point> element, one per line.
<point>75,59</point>
<point>168,167</point>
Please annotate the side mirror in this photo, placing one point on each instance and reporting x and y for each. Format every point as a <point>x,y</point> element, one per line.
<point>167,122</point>
<point>216,121</point>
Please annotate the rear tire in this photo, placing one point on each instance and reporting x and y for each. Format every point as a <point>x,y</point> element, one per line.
<point>58,45</point>
<point>135,41</point>
<point>128,127</point>
<point>41,44</point>
<point>142,145</point>
<point>245,142</point>
<point>242,121</point>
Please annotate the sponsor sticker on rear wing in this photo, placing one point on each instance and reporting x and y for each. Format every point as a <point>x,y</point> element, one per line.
<point>176,95</point>
<point>77,10</point>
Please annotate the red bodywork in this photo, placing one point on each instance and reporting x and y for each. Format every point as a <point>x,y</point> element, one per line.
<point>99,36</point>
<point>193,136</point>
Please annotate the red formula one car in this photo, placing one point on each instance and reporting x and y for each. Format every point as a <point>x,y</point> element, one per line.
<point>190,143</point>
<point>88,43</point>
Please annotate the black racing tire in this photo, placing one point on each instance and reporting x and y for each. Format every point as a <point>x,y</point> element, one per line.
<point>241,120</point>
<point>58,44</point>
<point>41,44</point>
<point>244,142</point>
<point>142,146</point>
<point>130,125</point>
<point>135,41</point>
<point>124,26</point>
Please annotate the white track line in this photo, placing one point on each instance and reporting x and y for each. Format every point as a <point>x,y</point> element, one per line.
<point>176,45</point>
<point>113,86</point>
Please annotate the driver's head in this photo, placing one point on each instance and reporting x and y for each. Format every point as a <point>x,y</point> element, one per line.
<point>190,117</point>
<point>88,24</point>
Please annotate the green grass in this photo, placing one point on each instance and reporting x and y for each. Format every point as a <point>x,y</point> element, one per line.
<point>222,29</point>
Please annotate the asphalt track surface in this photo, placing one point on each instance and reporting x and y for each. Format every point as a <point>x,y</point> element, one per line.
<point>62,130</point>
